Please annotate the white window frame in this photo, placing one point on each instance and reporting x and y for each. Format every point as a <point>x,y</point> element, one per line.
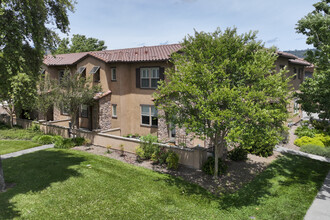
<point>150,76</point>
<point>114,110</point>
<point>113,74</point>
<point>150,114</point>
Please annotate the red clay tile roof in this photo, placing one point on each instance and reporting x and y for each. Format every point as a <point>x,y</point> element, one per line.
<point>299,61</point>
<point>140,54</point>
<point>287,55</point>
<point>64,59</point>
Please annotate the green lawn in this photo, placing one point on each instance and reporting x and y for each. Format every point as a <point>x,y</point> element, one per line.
<point>16,133</point>
<point>67,184</point>
<point>9,146</point>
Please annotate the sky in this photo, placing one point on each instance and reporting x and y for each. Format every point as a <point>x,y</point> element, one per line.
<point>136,23</point>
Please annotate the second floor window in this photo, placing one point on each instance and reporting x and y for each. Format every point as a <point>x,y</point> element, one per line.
<point>82,71</point>
<point>113,74</point>
<point>114,110</point>
<point>96,72</point>
<point>60,75</point>
<point>149,77</point>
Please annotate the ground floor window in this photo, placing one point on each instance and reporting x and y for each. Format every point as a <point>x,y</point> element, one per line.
<point>149,115</point>
<point>114,110</point>
<point>172,131</point>
<point>84,111</point>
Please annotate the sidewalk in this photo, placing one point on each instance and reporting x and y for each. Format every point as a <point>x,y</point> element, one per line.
<point>319,209</point>
<point>19,153</point>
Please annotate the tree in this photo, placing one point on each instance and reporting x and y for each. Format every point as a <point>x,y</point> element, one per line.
<point>221,82</point>
<point>80,44</point>
<point>45,97</point>
<point>315,92</point>
<point>71,92</point>
<point>24,37</point>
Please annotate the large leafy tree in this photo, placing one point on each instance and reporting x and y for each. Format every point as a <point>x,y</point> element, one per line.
<point>25,33</point>
<point>80,43</point>
<point>315,92</point>
<point>71,92</point>
<point>224,85</point>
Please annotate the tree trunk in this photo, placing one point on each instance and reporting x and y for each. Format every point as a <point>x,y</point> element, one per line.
<point>2,178</point>
<point>11,120</point>
<point>216,157</point>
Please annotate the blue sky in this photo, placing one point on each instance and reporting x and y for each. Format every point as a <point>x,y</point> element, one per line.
<point>128,23</point>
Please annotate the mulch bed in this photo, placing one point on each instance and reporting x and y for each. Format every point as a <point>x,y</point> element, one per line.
<point>238,173</point>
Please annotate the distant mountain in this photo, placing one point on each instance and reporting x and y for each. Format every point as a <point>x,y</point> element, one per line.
<point>298,53</point>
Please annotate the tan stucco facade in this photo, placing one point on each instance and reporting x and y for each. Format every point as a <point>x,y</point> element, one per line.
<point>128,98</point>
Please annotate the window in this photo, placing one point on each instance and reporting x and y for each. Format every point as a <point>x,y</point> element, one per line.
<point>149,77</point>
<point>43,73</point>
<point>300,72</point>
<point>113,74</point>
<point>82,71</point>
<point>84,111</point>
<point>114,110</point>
<point>149,115</point>
<point>60,75</point>
<point>282,67</point>
<point>294,72</point>
<point>64,110</point>
<point>172,131</point>
<point>96,72</point>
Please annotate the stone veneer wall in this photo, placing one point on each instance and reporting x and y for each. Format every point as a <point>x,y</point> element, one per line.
<point>105,113</point>
<point>163,134</point>
<point>57,114</point>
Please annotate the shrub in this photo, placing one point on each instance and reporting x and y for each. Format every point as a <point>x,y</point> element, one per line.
<point>160,155</point>
<point>315,149</point>
<point>57,138</point>
<point>321,126</point>
<point>305,131</point>
<point>308,140</point>
<point>36,138</point>
<point>78,141</point>
<point>35,127</point>
<point>147,145</point>
<point>208,166</point>
<point>238,154</point>
<point>109,149</point>
<point>87,142</point>
<point>64,143</point>
<point>45,139</point>
<point>325,139</point>
<point>139,154</point>
<point>122,150</point>
<point>172,160</point>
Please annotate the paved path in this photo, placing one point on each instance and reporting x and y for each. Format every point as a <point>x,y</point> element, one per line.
<point>30,150</point>
<point>295,152</point>
<point>320,208</point>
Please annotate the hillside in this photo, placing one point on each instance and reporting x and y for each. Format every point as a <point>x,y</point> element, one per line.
<point>298,53</point>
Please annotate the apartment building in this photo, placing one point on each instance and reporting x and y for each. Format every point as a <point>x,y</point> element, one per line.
<point>128,78</point>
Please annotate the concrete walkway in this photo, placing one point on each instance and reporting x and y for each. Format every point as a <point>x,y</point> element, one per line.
<point>30,150</point>
<point>320,208</point>
<point>299,153</point>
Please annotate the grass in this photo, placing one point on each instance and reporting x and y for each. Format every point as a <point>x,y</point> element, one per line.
<point>67,184</point>
<point>9,146</point>
<point>17,133</point>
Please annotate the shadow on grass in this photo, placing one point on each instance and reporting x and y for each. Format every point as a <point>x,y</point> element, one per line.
<point>34,172</point>
<point>287,171</point>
